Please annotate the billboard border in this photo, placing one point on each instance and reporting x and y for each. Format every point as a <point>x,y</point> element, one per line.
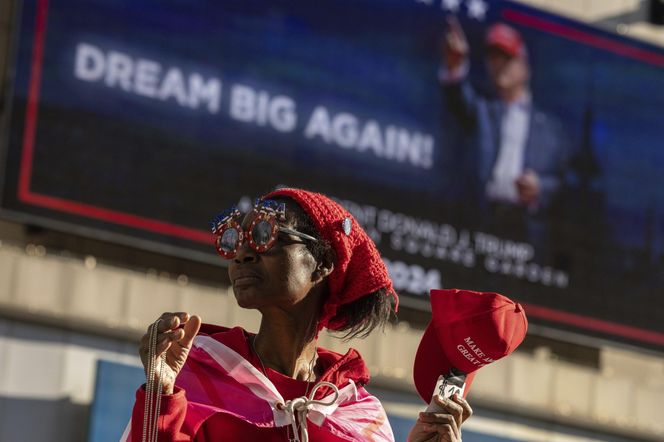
<point>158,227</point>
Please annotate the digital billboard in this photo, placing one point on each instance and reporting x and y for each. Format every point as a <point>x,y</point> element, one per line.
<point>144,119</point>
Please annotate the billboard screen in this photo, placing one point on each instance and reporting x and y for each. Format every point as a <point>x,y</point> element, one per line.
<point>484,145</point>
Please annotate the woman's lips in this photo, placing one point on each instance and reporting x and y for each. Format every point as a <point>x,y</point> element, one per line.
<point>246,279</point>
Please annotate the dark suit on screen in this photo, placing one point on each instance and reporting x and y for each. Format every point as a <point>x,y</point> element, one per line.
<point>544,152</point>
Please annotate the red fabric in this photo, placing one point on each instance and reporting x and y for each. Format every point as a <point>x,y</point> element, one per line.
<point>467,331</point>
<point>177,423</point>
<point>358,270</point>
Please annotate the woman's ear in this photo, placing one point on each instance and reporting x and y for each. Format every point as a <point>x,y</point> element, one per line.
<point>325,267</point>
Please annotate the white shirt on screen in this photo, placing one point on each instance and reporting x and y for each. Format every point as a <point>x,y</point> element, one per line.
<point>513,136</point>
<point>509,162</point>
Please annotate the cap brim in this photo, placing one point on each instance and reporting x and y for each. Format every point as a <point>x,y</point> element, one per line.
<point>505,48</point>
<point>430,363</point>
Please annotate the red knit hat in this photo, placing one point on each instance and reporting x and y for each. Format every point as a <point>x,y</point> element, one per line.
<point>358,269</point>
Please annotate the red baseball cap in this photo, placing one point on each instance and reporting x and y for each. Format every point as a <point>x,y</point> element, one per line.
<point>468,330</point>
<point>505,38</point>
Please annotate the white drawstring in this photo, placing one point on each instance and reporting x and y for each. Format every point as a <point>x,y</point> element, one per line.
<point>299,407</point>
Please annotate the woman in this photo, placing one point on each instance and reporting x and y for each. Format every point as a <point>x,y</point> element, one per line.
<point>305,264</point>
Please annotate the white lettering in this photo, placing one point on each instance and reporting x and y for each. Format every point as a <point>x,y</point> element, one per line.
<point>173,87</point>
<point>119,70</point>
<point>344,129</point>
<point>531,271</point>
<point>392,143</point>
<point>468,355</point>
<point>146,78</point>
<point>474,347</point>
<point>319,124</point>
<point>492,245</point>
<point>412,278</point>
<point>371,139</point>
<point>259,107</point>
<point>242,107</point>
<point>282,114</point>
<point>90,63</point>
<point>201,91</point>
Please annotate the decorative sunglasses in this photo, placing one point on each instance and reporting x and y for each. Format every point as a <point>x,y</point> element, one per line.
<point>261,234</point>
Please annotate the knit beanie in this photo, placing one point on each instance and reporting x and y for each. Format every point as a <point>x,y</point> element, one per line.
<point>358,269</point>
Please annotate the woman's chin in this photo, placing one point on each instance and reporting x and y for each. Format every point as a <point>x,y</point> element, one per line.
<point>246,297</point>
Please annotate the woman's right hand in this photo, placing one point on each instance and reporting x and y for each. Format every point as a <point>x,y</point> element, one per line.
<point>174,341</point>
<point>444,425</point>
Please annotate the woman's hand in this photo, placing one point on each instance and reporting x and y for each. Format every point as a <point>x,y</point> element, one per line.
<point>444,425</point>
<point>173,340</point>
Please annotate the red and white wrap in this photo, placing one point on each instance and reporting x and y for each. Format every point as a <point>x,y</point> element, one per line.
<point>217,379</point>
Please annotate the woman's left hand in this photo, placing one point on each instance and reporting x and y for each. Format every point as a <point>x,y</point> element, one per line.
<point>444,425</point>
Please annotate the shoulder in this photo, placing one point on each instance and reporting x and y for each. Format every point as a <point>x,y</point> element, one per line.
<point>340,368</point>
<point>210,329</point>
<point>235,338</point>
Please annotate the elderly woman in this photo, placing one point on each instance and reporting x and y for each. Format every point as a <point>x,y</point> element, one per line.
<point>305,264</point>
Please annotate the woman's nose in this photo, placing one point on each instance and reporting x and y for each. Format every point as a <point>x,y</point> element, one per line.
<point>245,253</point>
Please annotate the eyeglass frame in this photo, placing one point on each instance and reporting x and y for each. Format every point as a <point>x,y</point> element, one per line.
<point>269,211</point>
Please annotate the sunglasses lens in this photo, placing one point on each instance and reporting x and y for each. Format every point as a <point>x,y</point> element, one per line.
<point>229,239</point>
<point>261,233</point>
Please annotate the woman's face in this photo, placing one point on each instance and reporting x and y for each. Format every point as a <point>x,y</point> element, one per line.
<point>280,277</point>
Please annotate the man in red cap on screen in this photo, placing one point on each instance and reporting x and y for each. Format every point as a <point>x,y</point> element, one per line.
<point>514,154</point>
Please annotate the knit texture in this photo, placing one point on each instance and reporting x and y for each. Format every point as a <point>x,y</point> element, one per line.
<point>358,269</point>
